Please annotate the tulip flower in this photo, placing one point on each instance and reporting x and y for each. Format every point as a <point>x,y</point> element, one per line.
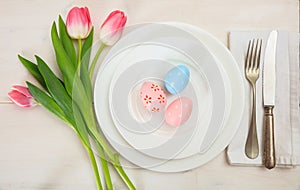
<point>110,33</point>
<point>112,27</point>
<point>81,117</point>
<point>21,96</point>
<point>79,26</point>
<point>79,23</point>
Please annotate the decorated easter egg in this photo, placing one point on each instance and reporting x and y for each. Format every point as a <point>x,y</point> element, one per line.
<point>177,79</point>
<point>178,111</point>
<point>152,96</point>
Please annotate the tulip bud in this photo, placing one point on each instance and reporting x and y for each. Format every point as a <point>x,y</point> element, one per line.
<point>21,96</point>
<point>79,23</point>
<point>111,29</point>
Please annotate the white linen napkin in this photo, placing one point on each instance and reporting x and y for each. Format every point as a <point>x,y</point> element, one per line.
<point>286,110</point>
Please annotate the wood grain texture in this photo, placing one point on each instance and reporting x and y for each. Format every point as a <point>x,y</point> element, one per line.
<point>26,27</point>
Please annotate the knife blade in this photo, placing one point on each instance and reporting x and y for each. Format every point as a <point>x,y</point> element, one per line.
<point>269,87</point>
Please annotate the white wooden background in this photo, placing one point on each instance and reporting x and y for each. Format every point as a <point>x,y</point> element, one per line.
<point>37,151</point>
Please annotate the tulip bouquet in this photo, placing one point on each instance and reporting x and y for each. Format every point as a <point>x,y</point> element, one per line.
<point>71,98</point>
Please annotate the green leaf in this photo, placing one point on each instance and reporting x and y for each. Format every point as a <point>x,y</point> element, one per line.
<point>87,49</point>
<point>81,98</point>
<point>33,69</point>
<point>86,81</point>
<point>48,102</point>
<point>56,89</point>
<point>65,65</point>
<point>67,42</point>
<point>81,126</point>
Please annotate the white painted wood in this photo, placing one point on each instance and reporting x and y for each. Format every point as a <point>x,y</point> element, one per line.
<point>25,25</point>
<point>37,151</point>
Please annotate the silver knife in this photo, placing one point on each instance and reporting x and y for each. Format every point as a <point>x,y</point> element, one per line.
<point>269,83</point>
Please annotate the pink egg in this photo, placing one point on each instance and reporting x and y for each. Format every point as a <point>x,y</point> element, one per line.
<point>179,111</point>
<point>153,97</point>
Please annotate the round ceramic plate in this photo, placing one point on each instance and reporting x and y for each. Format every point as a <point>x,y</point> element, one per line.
<point>153,136</point>
<point>225,61</point>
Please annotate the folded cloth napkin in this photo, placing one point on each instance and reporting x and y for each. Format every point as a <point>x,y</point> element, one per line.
<point>286,110</point>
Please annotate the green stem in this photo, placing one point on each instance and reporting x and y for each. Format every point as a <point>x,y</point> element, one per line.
<point>105,167</point>
<point>122,173</point>
<point>92,158</point>
<point>90,120</point>
<point>114,158</point>
<point>95,167</point>
<point>79,56</point>
<point>91,124</point>
<point>96,59</point>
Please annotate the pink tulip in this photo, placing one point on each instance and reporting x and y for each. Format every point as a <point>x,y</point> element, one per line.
<point>21,96</point>
<point>111,29</point>
<point>79,23</point>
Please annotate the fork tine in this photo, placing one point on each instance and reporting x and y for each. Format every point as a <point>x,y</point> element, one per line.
<point>255,52</point>
<point>259,52</point>
<point>247,60</point>
<point>256,55</point>
<point>252,58</point>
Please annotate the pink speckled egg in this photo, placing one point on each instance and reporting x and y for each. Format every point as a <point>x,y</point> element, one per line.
<point>153,97</point>
<point>178,111</point>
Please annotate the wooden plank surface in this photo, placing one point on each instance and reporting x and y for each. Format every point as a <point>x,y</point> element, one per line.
<point>37,151</point>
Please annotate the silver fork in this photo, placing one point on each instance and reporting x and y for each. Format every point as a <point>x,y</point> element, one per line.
<point>252,63</point>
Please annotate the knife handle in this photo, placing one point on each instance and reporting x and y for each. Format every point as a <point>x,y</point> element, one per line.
<point>269,145</point>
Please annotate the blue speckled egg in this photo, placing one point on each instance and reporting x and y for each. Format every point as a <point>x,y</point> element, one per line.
<point>177,79</point>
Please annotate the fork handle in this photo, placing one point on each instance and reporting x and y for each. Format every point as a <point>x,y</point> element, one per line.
<point>269,145</point>
<point>251,148</point>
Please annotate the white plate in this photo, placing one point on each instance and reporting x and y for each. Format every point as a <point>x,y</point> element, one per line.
<point>181,41</point>
<point>228,63</point>
<point>151,62</point>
